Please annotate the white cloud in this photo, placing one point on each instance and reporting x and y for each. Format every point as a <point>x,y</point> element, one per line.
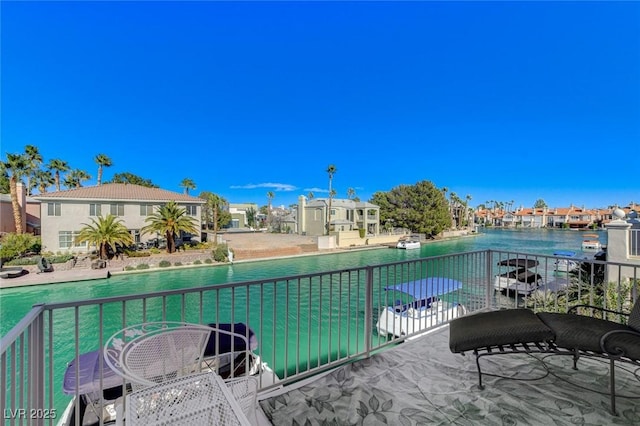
<point>277,186</point>
<point>316,190</point>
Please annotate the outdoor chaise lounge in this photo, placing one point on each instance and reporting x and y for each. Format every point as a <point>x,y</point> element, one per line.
<point>522,331</point>
<point>12,271</point>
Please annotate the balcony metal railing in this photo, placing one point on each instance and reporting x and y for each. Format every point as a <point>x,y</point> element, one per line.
<point>304,324</point>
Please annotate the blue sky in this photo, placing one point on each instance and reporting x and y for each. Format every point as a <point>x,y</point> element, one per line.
<point>498,100</point>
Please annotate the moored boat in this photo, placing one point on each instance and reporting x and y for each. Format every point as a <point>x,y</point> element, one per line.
<point>519,279</point>
<point>591,242</point>
<point>567,261</point>
<point>426,310</point>
<point>408,244</point>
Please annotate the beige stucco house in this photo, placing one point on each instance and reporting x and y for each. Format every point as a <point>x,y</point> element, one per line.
<point>64,213</point>
<point>345,215</point>
<point>238,213</point>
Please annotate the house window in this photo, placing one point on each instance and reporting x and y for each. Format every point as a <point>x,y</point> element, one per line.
<point>95,209</point>
<point>192,210</point>
<point>146,209</point>
<point>117,209</point>
<point>53,209</point>
<point>333,212</point>
<point>66,239</point>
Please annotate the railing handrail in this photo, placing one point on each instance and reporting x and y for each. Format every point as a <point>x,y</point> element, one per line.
<point>207,287</point>
<point>13,334</point>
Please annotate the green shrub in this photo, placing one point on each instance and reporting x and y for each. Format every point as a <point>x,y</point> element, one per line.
<point>131,253</point>
<point>129,268</point>
<point>177,264</point>
<point>220,253</point>
<point>142,266</point>
<point>197,262</point>
<point>208,260</point>
<point>15,245</point>
<point>362,232</point>
<point>164,264</point>
<point>154,250</point>
<point>33,260</point>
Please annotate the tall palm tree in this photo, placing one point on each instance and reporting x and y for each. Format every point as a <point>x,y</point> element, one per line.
<point>270,197</point>
<point>43,179</point>
<point>102,161</point>
<point>103,232</point>
<point>74,178</point>
<point>310,195</point>
<point>215,202</point>
<point>331,170</point>
<point>467,210</point>
<point>17,166</point>
<point>169,221</point>
<point>57,167</point>
<point>187,184</point>
<point>33,159</point>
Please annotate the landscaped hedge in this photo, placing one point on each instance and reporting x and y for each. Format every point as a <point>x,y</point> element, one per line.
<point>33,260</point>
<point>132,253</point>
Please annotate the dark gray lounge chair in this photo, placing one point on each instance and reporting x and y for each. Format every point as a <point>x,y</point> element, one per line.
<point>44,265</point>
<point>520,330</point>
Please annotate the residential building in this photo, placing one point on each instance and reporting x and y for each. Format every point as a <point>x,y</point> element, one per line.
<point>238,213</point>
<point>345,215</point>
<point>64,213</point>
<point>30,208</point>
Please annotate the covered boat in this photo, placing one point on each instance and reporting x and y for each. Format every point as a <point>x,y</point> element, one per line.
<point>426,310</point>
<point>567,261</point>
<point>518,279</point>
<point>591,242</point>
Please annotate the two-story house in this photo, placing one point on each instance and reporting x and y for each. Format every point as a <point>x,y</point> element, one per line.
<point>64,213</point>
<point>344,215</point>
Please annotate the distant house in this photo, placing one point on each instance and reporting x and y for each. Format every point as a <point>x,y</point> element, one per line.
<point>345,215</point>
<point>30,213</point>
<point>64,213</point>
<point>238,213</point>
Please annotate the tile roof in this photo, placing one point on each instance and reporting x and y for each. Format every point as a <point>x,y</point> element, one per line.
<point>120,192</point>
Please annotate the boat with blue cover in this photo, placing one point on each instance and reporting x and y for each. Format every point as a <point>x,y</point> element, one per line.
<point>427,309</point>
<point>567,261</point>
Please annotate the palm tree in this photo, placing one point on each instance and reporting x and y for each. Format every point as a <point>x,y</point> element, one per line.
<point>214,202</point>
<point>331,170</point>
<point>310,195</point>
<point>467,210</point>
<point>170,220</point>
<point>75,177</point>
<point>270,197</point>
<point>33,159</point>
<point>351,193</point>
<point>103,232</point>
<point>43,179</point>
<point>187,184</point>
<point>103,161</point>
<point>58,166</point>
<point>17,166</point>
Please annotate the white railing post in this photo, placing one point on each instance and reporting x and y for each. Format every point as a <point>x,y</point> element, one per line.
<point>36,371</point>
<point>368,310</point>
<point>488,284</point>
